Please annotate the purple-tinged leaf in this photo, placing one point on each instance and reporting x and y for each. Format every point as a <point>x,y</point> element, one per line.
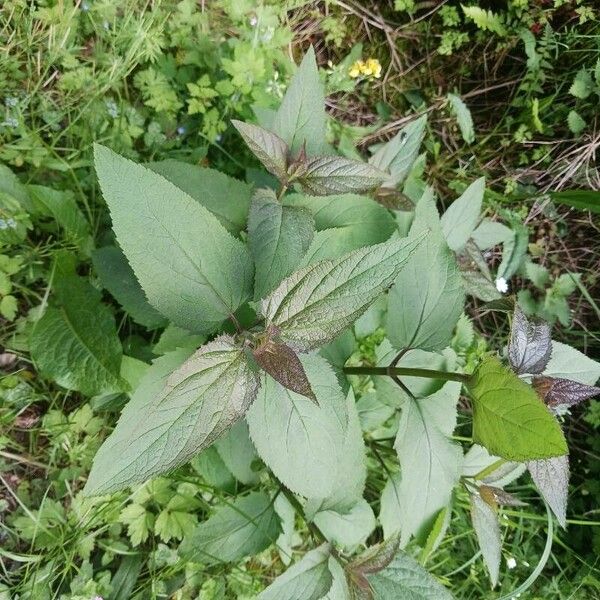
<point>377,557</point>
<point>530,344</point>
<point>556,392</point>
<point>494,496</point>
<point>551,477</point>
<point>284,366</point>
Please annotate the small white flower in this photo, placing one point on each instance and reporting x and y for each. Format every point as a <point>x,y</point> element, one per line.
<point>502,285</point>
<point>511,563</point>
<point>253,21</point>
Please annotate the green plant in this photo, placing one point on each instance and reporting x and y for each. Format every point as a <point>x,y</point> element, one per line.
<point>308,265</point>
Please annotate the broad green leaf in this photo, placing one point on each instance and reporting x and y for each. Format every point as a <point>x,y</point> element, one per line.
<point>315,304</point>
<point>427,298</point>
<point>551,477</point>
<point>238,453</point>
<point>192,270</point>
<point>581,199</point>
<point>242,528</point>
<point>575,122</point>
<point>308,579</point>
<point>302,443</point>
<point>123,582</point>
<point>279,237</point>
<point>337,354</point>
<point>463,117</point>
<point>325,175</point>
<point>289,537</point>
<point>119,279</point>
<point>530,346</point>
<point>174,337</point>
<point>173,415</point>
<point>568,363</point>
<point>211,467</point>
<point>75,343</point>
<point>489,234</point>
<point>269,148</point>
<point>372,412</point>
<point>459,221</point>
<point>301,117</point>
<point>405,578</point>
<point>390,510</point>
<point>349,529</point>
<point>398,155</point>
<point>582,85</point>
<point>430,462</point>
<point>226,198</point>
<point>62,207</point>
<point>487,530</point>
<point>339,588</point>
<point>508,417</point>
<point>344,223</point>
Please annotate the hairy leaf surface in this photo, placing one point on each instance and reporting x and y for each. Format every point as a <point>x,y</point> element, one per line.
<point>551,477</point>
<point>530,346</point>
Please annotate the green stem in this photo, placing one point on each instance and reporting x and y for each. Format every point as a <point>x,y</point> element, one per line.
<point>407,372</point>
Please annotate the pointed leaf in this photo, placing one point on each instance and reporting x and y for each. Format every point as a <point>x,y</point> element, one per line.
<point>315,304</point>
<point>301,117</point>
<point>557,392</point>
<point>487,530</point>
<point>279,237</point>
<point>243,528</point>
<point>326,175</point>
<point>463,117</point>
<point>459,221</point>
<point>191,269</point>
<point>568,363</point>
<point>308,579</point>
<point>375,558</point>
<point>238,453</point>
<point>508,417</point>
<point>269,148</point>
<point>551,477</point>
<point>495,495</point>
<point>427,298</point>
<point>174,415</point>
<point>530,344</point>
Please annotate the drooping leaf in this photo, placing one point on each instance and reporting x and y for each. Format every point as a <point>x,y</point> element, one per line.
<point>430,462</point>
<point>508,417</point>
<point>308,579</point>
<point>279,237</point>
<point>398,155</point>
<point>314,305</point>
<point>191,269</point>
<point>460,219</point>
<point>284,366</point>
<point>226,198</point>
<point>551,477</point>
<point>487,530</point>
<point>242,528</point>
<point>173,415</point>
<point>427,298</point>
<point>119,279</point>
<point>530,345</point>
<point>300,118</point>
<point>327,175</point>
<point>302,443</point>
<point>568,363</point>
<point>558,392</point>
<point>269,148</point>
<point>403,578</point>
<point>238,453</point>
<point>463,117</point>
<point>75,343</point>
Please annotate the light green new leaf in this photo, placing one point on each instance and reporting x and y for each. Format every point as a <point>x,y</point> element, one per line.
<point>76,342</point>
<point>306,445</point>
<point>398,155</point>
<point>238,453</point>
<point>315,304</point>
<point>427,298</point>
<point>509,418</point>
<point>269,148</point>
<point>327,175</point>
<point>119,279</point>
<point>430,462</point>
<point>487,530</point>
<point>463,117</point>
<point>192,270</point>
<point>279,237</point>
<point>300,118</point>
<point>173,415</point>
<point>227,198</point>
<point>459,221</point>
<point>242,528</point>
<point>405,578</point>
<point>308,579</point>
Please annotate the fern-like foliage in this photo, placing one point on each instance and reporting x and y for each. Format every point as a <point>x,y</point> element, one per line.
<point>485,20</point>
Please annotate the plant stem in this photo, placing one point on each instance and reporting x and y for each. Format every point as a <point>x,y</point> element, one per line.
<point>407,372</point>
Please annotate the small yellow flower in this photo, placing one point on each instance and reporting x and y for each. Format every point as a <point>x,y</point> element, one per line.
<point>355,69</point>
<point>374,67</point>
<point>369,68</point>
